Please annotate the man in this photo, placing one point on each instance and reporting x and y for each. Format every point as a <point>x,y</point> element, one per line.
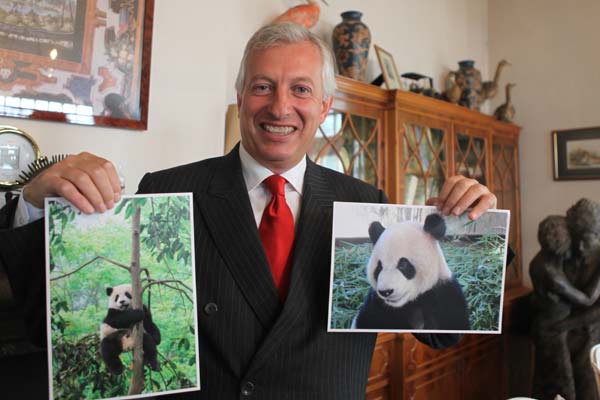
<point>256,339</point>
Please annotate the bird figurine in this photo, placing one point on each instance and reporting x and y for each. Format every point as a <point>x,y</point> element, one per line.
<point>506,111</point>
<point>453,90</point>
<point>490,88</point>
<point>303,14</point>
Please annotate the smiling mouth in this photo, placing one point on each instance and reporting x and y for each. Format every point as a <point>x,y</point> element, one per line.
<point>278,130</point>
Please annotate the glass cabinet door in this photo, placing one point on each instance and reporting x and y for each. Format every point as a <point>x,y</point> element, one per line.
<point>348,144</point>
<point>470,157</point>
<point>504,159</point>
<point>424,162</point>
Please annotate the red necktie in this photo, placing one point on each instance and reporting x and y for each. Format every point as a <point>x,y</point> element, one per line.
<point>276,231</point>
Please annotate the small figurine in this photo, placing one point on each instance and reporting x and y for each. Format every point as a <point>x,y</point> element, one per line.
<point>490,88</point>
<point>506,111</point>
<point>453,90</point>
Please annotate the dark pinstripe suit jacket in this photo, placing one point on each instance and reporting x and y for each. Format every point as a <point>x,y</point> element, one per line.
<point>250,345</point>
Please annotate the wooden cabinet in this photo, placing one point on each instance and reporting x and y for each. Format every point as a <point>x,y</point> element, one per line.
<point>408,145</point>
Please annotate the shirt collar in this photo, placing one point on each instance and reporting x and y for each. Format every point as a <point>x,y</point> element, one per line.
<point>254,173</point>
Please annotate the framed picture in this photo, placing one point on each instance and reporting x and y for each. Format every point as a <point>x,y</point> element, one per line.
<point>79,61</point>
<point>388,68</point>
<point>576,153</point>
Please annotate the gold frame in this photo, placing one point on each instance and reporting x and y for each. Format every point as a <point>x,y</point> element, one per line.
<point>5,129</point>
<point>388,65</point>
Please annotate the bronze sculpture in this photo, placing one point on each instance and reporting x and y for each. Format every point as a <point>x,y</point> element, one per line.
<point>566,314</point>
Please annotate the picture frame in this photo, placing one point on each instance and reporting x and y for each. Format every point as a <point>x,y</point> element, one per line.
<point>17,151</point>
<point>576,153</point>
<point>80,61</point>
<point>388,68</point>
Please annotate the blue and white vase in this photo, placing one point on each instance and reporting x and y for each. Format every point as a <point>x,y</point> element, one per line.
<point>351,40</point>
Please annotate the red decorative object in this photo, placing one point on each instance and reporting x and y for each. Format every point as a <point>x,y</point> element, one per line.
<point>304,14</point>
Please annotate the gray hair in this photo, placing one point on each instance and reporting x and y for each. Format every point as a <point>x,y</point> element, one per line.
<point>288,33</point>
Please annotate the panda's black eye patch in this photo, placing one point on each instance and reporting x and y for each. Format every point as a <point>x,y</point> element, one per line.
<point>377,270</point>
<point>116,298</point>
<point>128,295</point>
<point>407,269</point>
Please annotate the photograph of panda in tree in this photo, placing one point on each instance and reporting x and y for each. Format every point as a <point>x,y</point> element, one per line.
<point>410,269</point>
<point>121,299</point>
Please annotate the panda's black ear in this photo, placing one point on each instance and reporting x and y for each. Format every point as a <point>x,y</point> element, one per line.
<point>435,226</point>
<point>109,291</point>
<point>375,230</point>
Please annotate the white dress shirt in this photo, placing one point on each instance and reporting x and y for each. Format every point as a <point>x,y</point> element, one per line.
<point>26,213</point>
<point>260,196</point>
<point>254,175</point>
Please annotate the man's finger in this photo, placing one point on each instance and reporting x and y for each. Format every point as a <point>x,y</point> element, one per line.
<point>78,182</point>
<point>66,189</point>
<point>457,192</point>
<point>447,187</point>
<point>486,202</point>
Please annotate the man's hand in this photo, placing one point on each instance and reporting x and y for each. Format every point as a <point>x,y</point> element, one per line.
<point>460,193</point>
<point>89,182</point>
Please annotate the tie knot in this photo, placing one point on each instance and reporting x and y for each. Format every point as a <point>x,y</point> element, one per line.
<point>276,184</point>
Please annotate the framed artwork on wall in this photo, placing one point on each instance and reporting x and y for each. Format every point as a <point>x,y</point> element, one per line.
<point>388,68</point>
<point>78,61</point>
<point>576,153</point>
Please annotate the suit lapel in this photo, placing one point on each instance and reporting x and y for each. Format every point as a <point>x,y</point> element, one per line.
<point>310,251</point>
<point>228,214</point>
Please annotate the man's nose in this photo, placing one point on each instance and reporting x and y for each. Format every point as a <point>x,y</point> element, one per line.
<point>280,106</point>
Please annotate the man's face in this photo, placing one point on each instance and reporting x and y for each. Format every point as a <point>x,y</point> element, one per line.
<point>282,104</point>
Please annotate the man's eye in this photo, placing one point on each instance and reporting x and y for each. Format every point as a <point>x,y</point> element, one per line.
<point>302,90</point>
<point>261,88</point>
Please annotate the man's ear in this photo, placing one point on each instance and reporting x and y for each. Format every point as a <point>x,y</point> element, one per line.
<point>239,102</point>
<point>326,104</point>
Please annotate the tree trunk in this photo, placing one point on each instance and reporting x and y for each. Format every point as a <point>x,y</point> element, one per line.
<point>137,381</point>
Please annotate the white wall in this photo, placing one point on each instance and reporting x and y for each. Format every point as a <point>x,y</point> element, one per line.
<point>196,50</point>
<point>552,45</point>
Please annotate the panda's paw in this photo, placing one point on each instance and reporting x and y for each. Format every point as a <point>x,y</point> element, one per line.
<point>154,365</point>
<point>116,369</point>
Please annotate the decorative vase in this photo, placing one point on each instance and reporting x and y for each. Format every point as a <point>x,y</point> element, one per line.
<point>351,41</point>
<point>469,79</point>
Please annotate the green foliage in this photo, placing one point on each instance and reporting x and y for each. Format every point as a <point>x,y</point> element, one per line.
<point>79,300</point>
<point>80,372</point>
<point>59,216</point>
<point>350,284</point>
<point>477,266</point>
<point>166,230</point>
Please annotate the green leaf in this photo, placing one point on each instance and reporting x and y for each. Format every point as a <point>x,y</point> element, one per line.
<point>122,204</point>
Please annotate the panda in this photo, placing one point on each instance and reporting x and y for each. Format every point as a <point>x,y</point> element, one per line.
<point>115,330</point>
<point>411,284</point>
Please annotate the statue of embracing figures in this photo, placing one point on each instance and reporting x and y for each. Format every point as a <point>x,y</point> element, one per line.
<point>565,310</point>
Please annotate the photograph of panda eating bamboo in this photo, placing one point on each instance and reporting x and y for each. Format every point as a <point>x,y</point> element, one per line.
<point>408,268</point>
